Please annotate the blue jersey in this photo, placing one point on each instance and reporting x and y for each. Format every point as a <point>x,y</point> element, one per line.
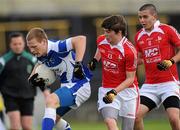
<point>61,59</point>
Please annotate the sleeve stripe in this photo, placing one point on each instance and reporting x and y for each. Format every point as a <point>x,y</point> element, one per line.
<point>62,46</point>
<point>2,61</point>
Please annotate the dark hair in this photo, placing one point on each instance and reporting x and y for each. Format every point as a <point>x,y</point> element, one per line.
<point>150,7</point>
<point>116,23</point>
<point>15,35</point>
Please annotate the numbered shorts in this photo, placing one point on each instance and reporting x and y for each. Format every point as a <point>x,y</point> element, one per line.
<point>126,101</point>
<point>159,92</point>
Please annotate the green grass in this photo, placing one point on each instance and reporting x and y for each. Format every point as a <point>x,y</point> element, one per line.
<point>149,125</point>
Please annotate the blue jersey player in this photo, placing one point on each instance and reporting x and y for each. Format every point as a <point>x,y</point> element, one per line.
<point>64,57</point>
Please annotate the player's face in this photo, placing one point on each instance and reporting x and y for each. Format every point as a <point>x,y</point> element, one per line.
<point>37,48</point>
<point>147,19</point>
<point>111,36</point>
<point>17,45</point>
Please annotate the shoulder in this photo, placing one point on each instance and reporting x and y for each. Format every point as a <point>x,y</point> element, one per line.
<point>138,34</point>
<point>129,48</point>
<point>7,56</point>
<point>100,38</point>
<point>167,28</point>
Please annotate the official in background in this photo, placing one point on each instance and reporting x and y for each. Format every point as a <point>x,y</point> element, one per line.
<point>15,68</point>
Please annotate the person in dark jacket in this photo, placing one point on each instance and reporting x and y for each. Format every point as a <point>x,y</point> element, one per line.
<point>15,68</point>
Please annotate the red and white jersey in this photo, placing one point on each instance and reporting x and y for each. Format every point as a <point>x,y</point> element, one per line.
<point>116,60</point>
<point>155,46</point>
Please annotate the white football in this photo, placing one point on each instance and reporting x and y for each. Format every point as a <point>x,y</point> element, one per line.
<point>45,73</point>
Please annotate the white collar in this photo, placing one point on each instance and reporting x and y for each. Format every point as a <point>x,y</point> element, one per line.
<point>155,29</point>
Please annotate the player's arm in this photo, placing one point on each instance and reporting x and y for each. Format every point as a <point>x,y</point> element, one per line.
<point>130,76</point>
<point>34,80</point>
<point>79,45</point>
<point>140,60</point>
<point>97,55</point>
<point>174,38</point>
<point>93,62</point>
<point>176,58</point>
<point>165,64</point>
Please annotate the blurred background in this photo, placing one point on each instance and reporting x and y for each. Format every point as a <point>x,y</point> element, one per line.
<point>64,18</point>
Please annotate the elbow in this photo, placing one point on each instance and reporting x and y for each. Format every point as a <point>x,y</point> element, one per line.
<point>82,39</point>
<point>140,61</point>
<point>131,81</point>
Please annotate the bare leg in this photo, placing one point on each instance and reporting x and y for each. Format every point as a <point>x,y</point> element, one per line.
<point>139,125</point>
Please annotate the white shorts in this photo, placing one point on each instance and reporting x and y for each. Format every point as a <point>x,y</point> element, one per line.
<point>159,92</point>
<point>126,101</point>
<point>82,94</point>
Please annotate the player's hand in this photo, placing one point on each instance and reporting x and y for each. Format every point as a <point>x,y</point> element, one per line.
<point>37,82</point>
<point>92,64</point>
<point>165,64</point>
<point>109,97</point>
<point>78,72</point>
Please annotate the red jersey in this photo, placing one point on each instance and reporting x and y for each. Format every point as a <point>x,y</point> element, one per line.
<point>116,60</point>
<point>155,46</point>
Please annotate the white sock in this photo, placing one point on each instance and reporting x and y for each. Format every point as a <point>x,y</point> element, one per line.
<point>50,113</point>
<point>62,124</point>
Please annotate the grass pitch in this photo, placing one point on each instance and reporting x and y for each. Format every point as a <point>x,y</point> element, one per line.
<point>148,124</point>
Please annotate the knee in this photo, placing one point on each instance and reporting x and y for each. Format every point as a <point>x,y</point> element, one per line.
<point>138,119</point>
<point>111,123</point>
<point>27,127</point>
<point>174,120</point>
<point>52,101</point>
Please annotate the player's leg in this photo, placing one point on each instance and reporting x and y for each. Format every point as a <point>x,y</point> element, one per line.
<point>62,97</point>
<point>26,109</point>
<point>62,124</point>
<point>171,105</point>
<point>129,99</point>
<point>127,123</point>
<point>146,105</point>
<point>110,111</point>
<point>13,113</point>
<point>148,101</point>
<point>110,115</point>
<point>170,98</point>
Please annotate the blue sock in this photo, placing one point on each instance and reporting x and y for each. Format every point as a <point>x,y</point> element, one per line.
<point>47,124</point>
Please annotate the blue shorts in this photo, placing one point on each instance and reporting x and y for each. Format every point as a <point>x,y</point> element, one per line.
<point>67,96</point>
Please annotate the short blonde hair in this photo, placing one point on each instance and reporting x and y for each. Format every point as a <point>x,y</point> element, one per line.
<point>37,33</point>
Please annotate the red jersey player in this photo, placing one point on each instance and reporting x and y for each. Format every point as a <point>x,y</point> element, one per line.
<point>156,44</point>
<point>119,92</point>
